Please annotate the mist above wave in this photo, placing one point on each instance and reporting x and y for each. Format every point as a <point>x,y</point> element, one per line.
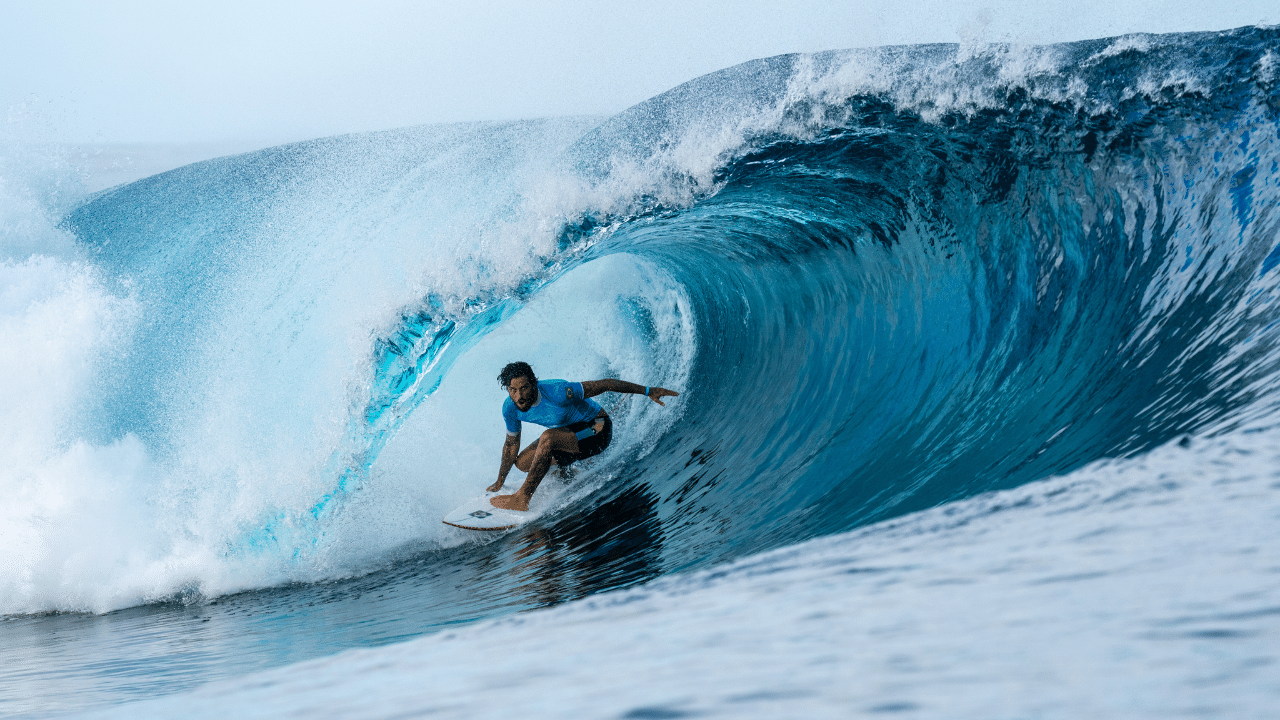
<point>272,299</point>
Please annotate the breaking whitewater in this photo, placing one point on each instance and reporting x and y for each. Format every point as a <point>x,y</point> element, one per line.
<point>978,354</point>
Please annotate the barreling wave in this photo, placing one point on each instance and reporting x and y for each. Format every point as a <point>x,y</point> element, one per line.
<point>883,279</point>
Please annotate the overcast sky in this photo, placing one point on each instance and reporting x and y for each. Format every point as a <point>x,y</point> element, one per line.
<point>255,70</point>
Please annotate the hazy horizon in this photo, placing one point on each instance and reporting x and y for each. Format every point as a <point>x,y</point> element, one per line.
<point>239,74</point>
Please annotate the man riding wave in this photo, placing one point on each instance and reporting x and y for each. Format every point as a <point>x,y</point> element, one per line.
<point>578,427</point>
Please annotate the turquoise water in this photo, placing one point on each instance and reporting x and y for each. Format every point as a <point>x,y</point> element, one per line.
<point>885,281</point>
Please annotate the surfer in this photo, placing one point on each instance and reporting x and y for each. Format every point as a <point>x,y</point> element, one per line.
<point>578,426</point>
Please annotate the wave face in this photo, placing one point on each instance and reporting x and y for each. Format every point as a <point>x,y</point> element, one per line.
<point>883,280</point>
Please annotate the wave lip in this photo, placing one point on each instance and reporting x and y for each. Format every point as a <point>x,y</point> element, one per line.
<point>895,246</point>
<point>886,280</point>
<point>909,295</point>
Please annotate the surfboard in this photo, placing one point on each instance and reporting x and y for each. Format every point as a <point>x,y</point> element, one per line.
<point>480,514</point>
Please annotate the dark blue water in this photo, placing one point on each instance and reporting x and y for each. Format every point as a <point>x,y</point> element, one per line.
<point>904,287</point>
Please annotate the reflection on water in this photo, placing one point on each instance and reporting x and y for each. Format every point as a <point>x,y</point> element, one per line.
<point>65,662</point>
<point>611,545</point>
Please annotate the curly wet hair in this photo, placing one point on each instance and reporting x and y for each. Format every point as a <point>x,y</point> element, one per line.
<point>516,370</point>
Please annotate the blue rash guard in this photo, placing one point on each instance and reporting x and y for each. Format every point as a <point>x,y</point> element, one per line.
<point>560,403</point>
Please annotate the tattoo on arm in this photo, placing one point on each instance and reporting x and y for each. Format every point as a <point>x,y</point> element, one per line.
<point>653,392</point>
<point>510,450</point>
<point>591,388</point>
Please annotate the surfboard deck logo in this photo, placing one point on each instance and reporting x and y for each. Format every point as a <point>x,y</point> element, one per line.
<point>479,514</point>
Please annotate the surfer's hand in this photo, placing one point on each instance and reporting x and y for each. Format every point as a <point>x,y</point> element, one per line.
<point>496,486</point>
<point>656,392</point>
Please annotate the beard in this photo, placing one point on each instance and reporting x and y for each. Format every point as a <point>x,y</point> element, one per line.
<point>531,403</point>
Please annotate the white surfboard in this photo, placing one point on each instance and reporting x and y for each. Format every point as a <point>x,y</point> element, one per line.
<point>480,514</point>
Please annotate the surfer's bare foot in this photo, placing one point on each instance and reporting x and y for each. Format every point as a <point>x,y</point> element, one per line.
<point>510,502</point>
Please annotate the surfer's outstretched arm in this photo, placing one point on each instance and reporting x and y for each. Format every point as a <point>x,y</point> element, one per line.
<point>591,388</point>
<point>510,450</point>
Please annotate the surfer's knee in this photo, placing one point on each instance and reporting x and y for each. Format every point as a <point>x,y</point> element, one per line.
<point>550,441</point>
<point>542,456</point>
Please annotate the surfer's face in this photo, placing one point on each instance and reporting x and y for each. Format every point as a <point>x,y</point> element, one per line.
<point>523,393</point>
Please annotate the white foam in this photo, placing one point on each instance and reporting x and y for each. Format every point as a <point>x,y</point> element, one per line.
<point>266,396</point>
<point>74,516</point>
<point>1267,66</point>
<point>579,328</point>
<point>1136,43</point>
<point>1142,588</point>
<point>252,411</point>
<point>260,402</point>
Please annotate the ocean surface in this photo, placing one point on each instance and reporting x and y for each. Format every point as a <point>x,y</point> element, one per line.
<point>980,412</point>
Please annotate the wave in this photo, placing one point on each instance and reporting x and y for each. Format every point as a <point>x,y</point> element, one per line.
<point>883,279</point>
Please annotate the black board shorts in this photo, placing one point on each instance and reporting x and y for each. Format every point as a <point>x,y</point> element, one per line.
<point>593,444</point>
